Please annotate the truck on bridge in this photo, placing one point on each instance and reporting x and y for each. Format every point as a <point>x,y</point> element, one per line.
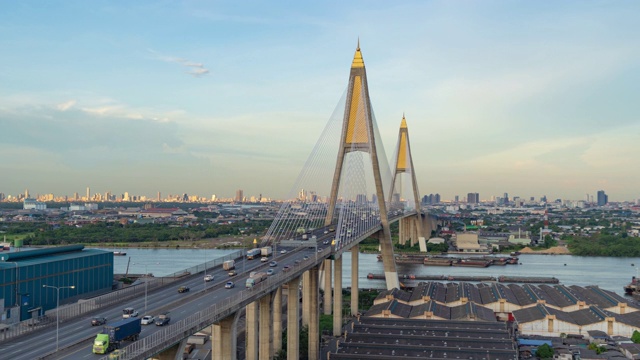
<point>255,279</point>
<point>114,333</point>
<point>229,265</point>
<point>253,253</point>
<point>266,251</point>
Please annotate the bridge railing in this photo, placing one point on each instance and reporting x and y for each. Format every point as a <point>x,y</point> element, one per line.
<point>184,328</point>
<point>82,307</point>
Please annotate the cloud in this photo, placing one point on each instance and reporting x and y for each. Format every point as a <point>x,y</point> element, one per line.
<point>66,105</point>
<point>196,69</point>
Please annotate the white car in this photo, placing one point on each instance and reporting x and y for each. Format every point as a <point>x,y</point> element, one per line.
<point>264,259</point>
<point>148,319</point>
<point>283,251</point>
<point>208,278</point>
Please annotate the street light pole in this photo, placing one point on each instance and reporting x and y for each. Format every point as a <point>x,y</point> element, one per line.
<point>146,272</point>
<point>58,308</point>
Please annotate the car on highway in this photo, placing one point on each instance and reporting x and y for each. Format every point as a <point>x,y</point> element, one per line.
<point>208,278</point>
<point>183,289</point>
<point>283,251</point>
<point>319,249</point>
<point>326,242</point>
<point>162,320</point>
<point>298,261</point>
<point>148,319</point>
<point>229,285</point>
<point>129,313</point>
<point>264,259</point>
<point>305,257</point>
<point>270,272</point>
<point>286,268</point>
<point>273,264</point>
<point>233,273</point>
<point>117,354</point>
<point>98,321</point>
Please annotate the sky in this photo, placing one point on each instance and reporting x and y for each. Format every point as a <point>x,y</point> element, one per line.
<point>206,97</point>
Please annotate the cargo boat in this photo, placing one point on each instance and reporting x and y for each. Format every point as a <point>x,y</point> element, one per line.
<point>437,261</point>
<point>633,287</point>
<point>472,262</point>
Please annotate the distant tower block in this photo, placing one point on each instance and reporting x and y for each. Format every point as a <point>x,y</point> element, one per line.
<point>410,228</point>
<point>358,135</point>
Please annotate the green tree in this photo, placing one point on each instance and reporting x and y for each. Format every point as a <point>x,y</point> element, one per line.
<point>636,336</point>
<point>545,351</point>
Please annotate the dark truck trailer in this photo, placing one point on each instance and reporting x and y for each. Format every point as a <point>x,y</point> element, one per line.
<point>112,334</point>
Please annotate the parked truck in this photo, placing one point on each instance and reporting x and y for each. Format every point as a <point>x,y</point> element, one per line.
<point>255,279</point>
<point>266,251</point>
<point>253,253</point>
<point>114,333</point>
<point>229,265</point>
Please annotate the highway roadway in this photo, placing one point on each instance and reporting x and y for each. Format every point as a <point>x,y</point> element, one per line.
<point>76,336</point>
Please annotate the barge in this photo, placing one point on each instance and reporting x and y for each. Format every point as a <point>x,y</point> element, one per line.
<point>501,279</point>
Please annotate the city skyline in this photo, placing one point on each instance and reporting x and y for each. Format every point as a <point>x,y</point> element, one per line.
<point>526,98</point>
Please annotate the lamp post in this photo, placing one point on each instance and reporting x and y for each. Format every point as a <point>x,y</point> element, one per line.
<point>145,285</point>
<point>205,270</point>
<point>57,307</point>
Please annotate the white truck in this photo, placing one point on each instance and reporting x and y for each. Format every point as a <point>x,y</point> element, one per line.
<point>229,265</point>
<point>255,279</point>
<point>266,251</point>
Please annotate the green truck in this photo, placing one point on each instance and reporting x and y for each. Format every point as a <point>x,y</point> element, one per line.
<point>112,334</point>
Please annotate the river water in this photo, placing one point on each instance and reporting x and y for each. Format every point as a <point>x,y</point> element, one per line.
<point>606,272</point>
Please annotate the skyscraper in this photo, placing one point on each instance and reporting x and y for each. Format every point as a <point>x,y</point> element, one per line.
<point>473,198</point>
<point>603,198</point>
<point>88,193</point>
<point>239,195</point>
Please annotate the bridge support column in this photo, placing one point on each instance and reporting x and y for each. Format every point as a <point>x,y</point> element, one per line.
<point>305,298</point>
<point>293,324</point>
<point>337,297</point>
<point>224,338</point>
<point>251,330</point>
<point>326,304</point>
<point>355,253</point>
<point>277,321</point>
<point>266,327</point>
<point>314,316</point>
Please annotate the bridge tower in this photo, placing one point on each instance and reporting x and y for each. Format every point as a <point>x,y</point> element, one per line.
<point>358,135</point>
<point>410,227</point>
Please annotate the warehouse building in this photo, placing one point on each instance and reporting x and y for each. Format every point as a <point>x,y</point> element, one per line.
<point>30,280</point>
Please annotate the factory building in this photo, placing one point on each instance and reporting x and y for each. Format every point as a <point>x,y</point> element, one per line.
<point>24,274</point>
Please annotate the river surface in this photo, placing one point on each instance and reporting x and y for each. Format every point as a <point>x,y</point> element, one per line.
<point>606,272</point>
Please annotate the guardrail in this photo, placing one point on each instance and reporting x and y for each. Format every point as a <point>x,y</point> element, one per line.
<point>82,307</point>
<point>172,334</point>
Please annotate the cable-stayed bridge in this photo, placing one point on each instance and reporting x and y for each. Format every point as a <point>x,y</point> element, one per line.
<point>345,193</point>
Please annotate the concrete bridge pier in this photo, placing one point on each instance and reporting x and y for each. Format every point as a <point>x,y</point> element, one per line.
<point>326,304</point>
<point>224,338</point>
<point>293,325</point>
<point>355,253</point>
<point>305,298</point>
<point>251,318</point>
<point>314,314</point>
<point>266,327</point>
<point>337,297</point>
<point>277,321</point>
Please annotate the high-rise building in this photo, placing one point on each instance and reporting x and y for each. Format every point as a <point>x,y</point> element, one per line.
<point>26,194</point>
<point>88,193</point>
<point>457,199</point>
<point>506,198</point>
<point>159,196</point>
<point>603,198</point>
<point>473,198</point>
<point>239,195</point>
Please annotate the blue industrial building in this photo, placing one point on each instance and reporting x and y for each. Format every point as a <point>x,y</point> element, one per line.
<point>23,276</point>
